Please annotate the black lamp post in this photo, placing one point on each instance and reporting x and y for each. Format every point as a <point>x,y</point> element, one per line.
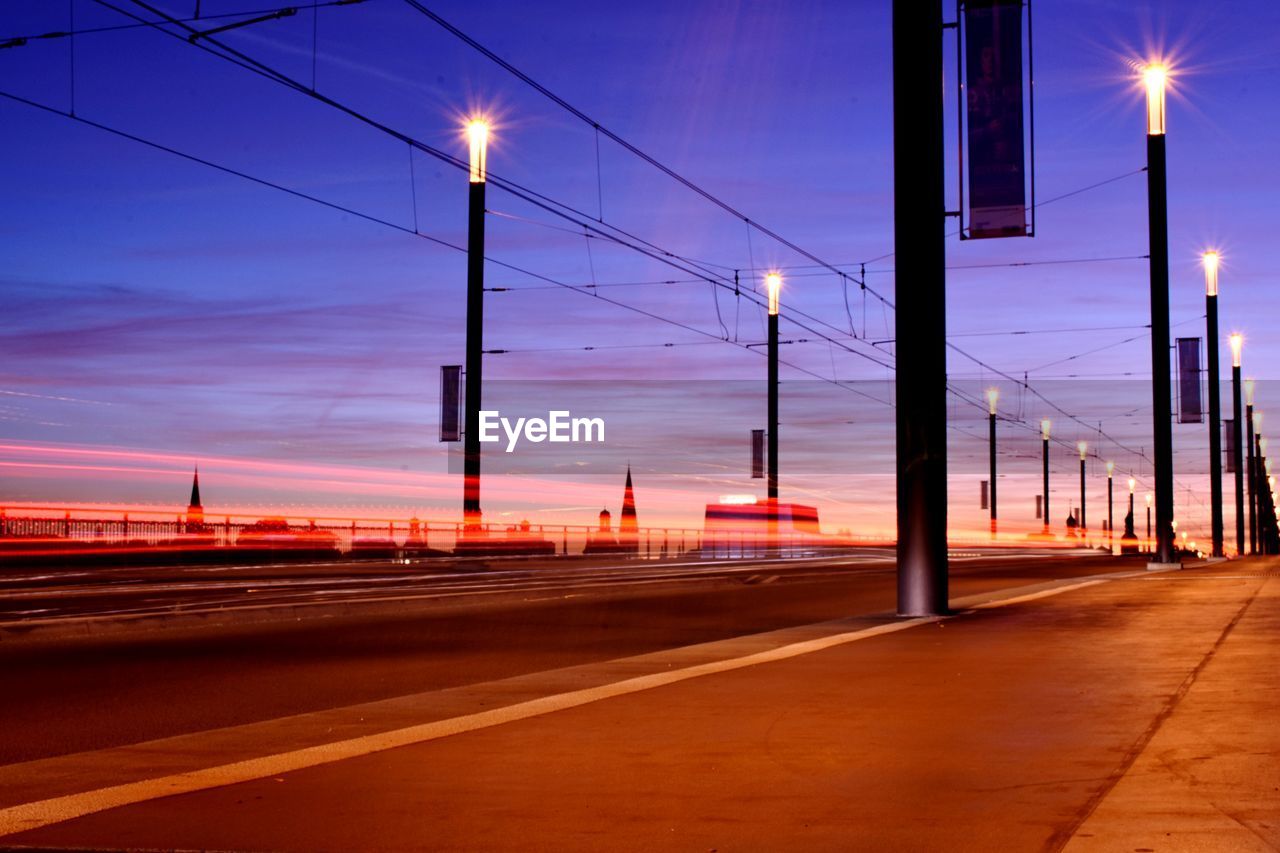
<point>1111,518</point>
<point>1215,409</point>
<point>1237,405</point>
<point>478,135</point>
<point>919,234</point>
<point>993,396</point>
<point>773,283</point>
<point>1044,440</point>
<point>1251,466</point>
<point>1083,446</point>
<point>1155,77</point>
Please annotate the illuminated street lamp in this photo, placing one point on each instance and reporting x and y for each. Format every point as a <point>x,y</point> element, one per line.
<point>478,139</point>
<point>1155,77</point>
<point>993,396</point>
<point>1111,519</point>
<point>1237,405</point>
<point>1044,438</point>
<point>773,284</point>
<point>1133,483</point>
<point>1083,447</point>
<point>1211,259</point>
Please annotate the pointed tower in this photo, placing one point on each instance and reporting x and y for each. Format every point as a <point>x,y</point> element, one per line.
<point>628,530</point>
<point>195,509</point>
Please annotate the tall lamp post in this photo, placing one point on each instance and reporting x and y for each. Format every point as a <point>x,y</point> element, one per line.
<point>1237,344</point>
<point>1250,475</point>
<point>773,283</point>
<point>1111,517</point>
<point>993,396</point>
<point>1083,447</point>
<point>1155,78</point>
<point>1260,480</point>
<point>1044,440</point>
<point>1210,259</point>
<point>919,238</point>
<point>1255,484</point>
<point>478,136</point>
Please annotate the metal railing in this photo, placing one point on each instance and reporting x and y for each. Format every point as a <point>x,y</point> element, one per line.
<point>54,530</point>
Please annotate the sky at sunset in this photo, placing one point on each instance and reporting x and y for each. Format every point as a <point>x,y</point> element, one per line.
<point>159,312</point>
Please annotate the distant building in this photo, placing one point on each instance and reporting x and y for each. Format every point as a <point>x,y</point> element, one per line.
<point>628,525</point>
<point>195,509</point>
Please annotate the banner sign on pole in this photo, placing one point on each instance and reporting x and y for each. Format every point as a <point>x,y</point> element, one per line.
<point>994,117</point>
<point>983,497</point>
<point>1190,409</point>
<point>1229,445</point>
<point>450,402</point>
<point>757,454</point>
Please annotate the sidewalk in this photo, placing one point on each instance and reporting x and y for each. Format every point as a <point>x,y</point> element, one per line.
<point>1136,712</point>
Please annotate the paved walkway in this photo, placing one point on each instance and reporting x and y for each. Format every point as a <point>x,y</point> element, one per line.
<point>1136,711</point>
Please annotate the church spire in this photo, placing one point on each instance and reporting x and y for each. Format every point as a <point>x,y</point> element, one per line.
<point>195,490</point>
<point>628,530</point>
<point>195,510</point>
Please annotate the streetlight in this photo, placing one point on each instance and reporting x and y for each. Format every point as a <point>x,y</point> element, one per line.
<point>1211,260</point>
<point>478,138</point>
<point>1251,474</point>
<point>1044,438</point>
<point>1083,447</point>
<point>1111,519</point>
<point>1237,344</point>
<point>1263,516</point>
<point>1133,484</point>
<point>1155,77</point>
<point>773,284</point>
<point>993,396</point>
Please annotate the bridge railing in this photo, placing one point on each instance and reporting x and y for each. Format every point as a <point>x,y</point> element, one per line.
<point>31,530</point>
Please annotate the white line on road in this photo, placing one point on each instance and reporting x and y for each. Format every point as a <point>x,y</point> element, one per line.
<point>28,816</point>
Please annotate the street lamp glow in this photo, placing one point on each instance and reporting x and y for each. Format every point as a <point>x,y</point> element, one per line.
<point>478,136</point>
<point>1133,483</point>
<point>773,283</point>
<point>1111,468</point>
<point>1248,392</point>
<point>1174,525</point>
<point>1257,422</point>
<point>1044,428</point>
<point>1149,500</point>
<point>1083,447</point>
<point>1210,259</point>
<point>993,396</point>
<point>1237,344</point>
<point>1155,77</point>
<point>1262,443</point>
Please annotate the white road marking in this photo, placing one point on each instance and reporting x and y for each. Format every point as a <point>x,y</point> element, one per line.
<point>1032,596</point>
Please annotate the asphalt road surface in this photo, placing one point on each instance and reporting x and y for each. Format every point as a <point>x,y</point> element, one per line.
<point>328,636</point>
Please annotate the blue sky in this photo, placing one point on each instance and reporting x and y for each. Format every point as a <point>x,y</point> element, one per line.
<point>160,305</point>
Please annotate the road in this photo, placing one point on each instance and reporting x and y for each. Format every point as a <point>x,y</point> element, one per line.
<point>337,635</point>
